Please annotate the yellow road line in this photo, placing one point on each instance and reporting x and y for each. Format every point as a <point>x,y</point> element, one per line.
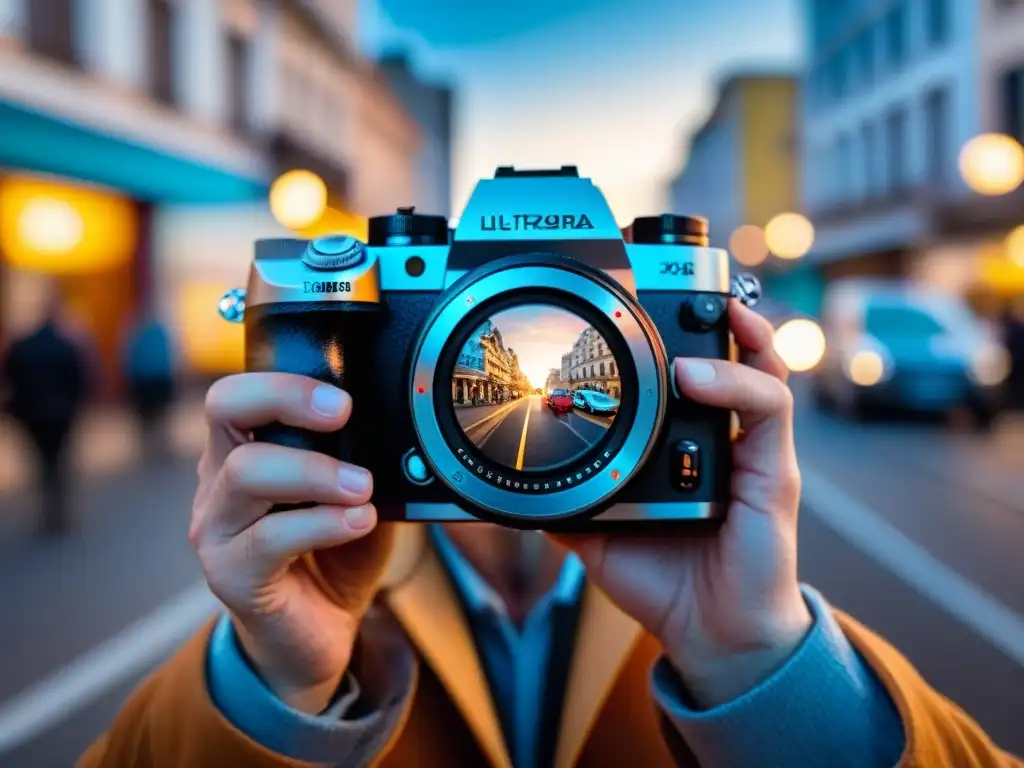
<point>522,440</point>
<point>492,415</point>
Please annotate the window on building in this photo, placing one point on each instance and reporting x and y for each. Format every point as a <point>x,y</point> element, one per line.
<point>611,369</point>
<point>1011,86</point>
<point>161,51</point>
<point>896,148</point>
<point>936,127</point>
<point>896,36</point>
<point>51,29</point>
<point>592,374</point>
<point>601,368</point>
<point>238,81</point>
<point>868,161</point>
<point>937,21</point>
<point>844,168</point>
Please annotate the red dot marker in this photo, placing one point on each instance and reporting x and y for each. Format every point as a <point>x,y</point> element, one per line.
<point>618,313</point>
<point>615,474</point>
<point>421,389</point>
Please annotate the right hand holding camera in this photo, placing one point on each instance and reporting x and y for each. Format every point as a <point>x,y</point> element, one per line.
<point>297,582</point>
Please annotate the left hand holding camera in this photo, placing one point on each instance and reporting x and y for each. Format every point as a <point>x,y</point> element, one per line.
<point>725,606</point>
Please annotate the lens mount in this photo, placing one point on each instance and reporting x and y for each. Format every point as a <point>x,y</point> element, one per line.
<point>581,486</point>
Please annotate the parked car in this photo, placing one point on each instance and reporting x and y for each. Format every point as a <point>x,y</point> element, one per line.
<point>889,343</point>
<point>560,400</point>
<point>595,402</point>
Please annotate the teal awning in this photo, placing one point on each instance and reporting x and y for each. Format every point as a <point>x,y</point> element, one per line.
<point>32,141</point>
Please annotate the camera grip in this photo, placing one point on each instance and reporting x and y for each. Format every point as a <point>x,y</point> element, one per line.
<point>327,344</point>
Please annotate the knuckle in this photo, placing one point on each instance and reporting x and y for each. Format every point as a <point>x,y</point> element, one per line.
<point>216,397</point>
<point>237,469</point>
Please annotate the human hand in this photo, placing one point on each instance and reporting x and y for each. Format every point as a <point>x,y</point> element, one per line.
<point>726,607</point>
<point>297,582</point>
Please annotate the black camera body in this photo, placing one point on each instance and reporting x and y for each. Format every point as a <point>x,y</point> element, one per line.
<point>442,338</point>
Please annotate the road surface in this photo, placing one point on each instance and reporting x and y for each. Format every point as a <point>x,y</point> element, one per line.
<point>914,529</point>
<point>526,434</point>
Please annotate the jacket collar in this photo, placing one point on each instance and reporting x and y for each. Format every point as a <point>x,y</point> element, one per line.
<point>422,597</point>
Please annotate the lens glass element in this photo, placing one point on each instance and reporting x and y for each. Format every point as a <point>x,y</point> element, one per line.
<point>535,387</point>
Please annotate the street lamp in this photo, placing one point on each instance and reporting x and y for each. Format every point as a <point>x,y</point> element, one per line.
<point>789,235</point>
<point>298,199</point>
<point>992,164</point>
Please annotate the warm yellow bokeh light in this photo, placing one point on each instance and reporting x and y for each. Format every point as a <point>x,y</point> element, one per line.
<point>210,344</point>
<point>748,246</point>
<point>789,235</point>
<point>298,199</point>
<point>800,343</point>
<point>992,164</point>
<point>866,368</point>
<point>1015,246</point>
<point>59,228</point>
<point>335,222</point>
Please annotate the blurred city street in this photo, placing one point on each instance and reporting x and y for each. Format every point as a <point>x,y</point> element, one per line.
<point>916,529</point>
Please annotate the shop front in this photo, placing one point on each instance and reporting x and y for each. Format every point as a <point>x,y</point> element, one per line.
<point>77,208</point>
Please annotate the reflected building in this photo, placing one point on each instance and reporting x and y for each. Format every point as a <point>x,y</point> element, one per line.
<point>555,380</point>
<point>487,371</point>
<point>592,366</point>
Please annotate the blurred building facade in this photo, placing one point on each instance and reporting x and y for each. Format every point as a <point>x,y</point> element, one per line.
<point>430,105</point>
<point>100,123</point>
<point>742,170</point>
<point>892,92</point>
<point>741,163</point>
<point>139,140</point>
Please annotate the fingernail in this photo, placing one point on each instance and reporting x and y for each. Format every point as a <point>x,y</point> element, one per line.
<point>698,372</point>
<point>358,517</point>
<point>328,400</point>
<point>354,479</point>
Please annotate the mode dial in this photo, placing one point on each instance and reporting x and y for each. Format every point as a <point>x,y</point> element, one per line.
<point>671,229</point>
<point>406,227</point>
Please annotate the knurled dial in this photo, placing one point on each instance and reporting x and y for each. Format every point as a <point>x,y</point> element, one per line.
<point>334,252</point>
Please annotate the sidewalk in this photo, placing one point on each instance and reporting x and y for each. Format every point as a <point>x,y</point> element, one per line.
<point>106,442</point>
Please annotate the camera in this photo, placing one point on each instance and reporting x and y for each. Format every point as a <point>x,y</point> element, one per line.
<point>515,369</point>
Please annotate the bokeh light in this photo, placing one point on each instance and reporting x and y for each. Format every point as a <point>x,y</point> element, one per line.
<point>800,343</point>
<point>748,245</point>
<point>789,235</point>
<point>50,225</point>
<point>298,199</point>
<point>992,164</point>
<point>1015,246</point>
<point>866,368</point>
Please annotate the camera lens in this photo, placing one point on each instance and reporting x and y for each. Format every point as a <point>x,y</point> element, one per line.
<point>535,388</point>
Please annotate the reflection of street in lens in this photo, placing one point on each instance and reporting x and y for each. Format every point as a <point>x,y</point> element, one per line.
<point>528,435</point>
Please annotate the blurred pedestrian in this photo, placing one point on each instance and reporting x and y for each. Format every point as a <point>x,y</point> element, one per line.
<point>1013,339</point>
<point>47,386</point>
<point>150,373</point>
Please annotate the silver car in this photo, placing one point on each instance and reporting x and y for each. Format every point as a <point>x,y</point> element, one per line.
<point>889,343</point>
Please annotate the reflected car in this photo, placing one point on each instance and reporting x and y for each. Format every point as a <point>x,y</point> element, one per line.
<point>559,400</point>
<point>595,402</point>
<point>889,343</point>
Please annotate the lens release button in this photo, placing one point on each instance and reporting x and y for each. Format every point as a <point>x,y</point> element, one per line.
<point>701,312</point>
<point>415,469</point>
<point>686,467</point>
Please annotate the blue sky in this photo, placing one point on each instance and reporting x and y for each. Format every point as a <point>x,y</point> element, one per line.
<point>612,86</point>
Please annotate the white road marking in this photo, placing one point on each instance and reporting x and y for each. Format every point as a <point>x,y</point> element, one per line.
<point>876,537</point>
<point>572,429</point>
<point>120,659</point>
